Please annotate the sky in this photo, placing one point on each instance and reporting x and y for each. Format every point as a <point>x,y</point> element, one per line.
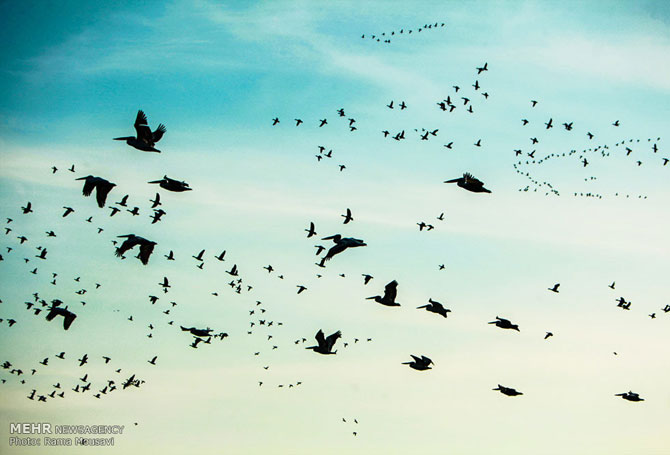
<point>216,74</point>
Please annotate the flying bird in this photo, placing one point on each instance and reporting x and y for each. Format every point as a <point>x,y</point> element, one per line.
<point>435,307</point>
<point>146,139</point>
<point>326,344</point>
<point>347,217</point>
<point>172,185</point>
<point>390,294</point>
<point>505,324</point>
<point>310,232</point>
<point>630,396</point>
<point>102,187</point>
<point>146,247</point>
<point>555,288</point>
<point>470,183</point>
<point>419,363</point>
<point>341,244</point>
<point>510,392</point>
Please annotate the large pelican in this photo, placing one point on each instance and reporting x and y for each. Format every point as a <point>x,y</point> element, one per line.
<point>470,183</point>
<point>325,344</point>
<point>341,244</point>
<point>146,139</point>
<point>172,185</point>
<point>419,363</point>
<point>146,247</point>
<point>102,187</point>
<point>390,293</point>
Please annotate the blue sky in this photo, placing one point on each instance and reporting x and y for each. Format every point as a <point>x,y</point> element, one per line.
<point>216,74</point>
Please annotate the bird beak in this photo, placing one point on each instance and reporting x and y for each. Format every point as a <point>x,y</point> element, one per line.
<point>123,138</point>
<point>452,181</point>
<point>155,181</point>
<point>370,298</point>
<point>328,238</point>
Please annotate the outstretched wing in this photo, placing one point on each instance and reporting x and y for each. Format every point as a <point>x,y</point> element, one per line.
<point>142,128</point>
<point>104,187</point>
<point>158,133</point>
<point>330,341</point>
<point>471,180</point>
<point>320,338</point>
<point>391,291</point>
<point>89,185</point>
<point>146,249</point>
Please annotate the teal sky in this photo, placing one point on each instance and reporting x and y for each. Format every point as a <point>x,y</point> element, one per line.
<point>216,74</point>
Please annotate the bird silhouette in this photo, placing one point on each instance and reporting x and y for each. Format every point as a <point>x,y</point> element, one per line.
<point>172,185</point>
<point>146,139</point>
<point>146,247</point>
<point>630,396</point>
<point>325,344</point>
<point>470,183</point>
<point>435,307</point>
<point>347,217</point>
<point>419,363</point>
<point>555,288</point>
<point>510,392</point>
<point>341,244</point>
<point>390,294</point>
<point>504,324</point>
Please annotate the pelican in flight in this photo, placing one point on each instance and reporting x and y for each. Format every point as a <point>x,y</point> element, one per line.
<point>419,363</point>
<point>146,139</point>
<point>630,396</point>
<point>510,392</point>
<point>341,244</point>
<point>146,247</point>
<point>102,187</point>
<point>172,185</point>
<point>390,293</point>
<point>505,324</point>
<point>68,316</point>
<point>435,307</point>
<point>470,183</point>
<point>325,343</point>
<point>197,332</point>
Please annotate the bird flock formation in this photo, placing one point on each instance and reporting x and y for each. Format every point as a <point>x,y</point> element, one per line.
<point>53,299</point>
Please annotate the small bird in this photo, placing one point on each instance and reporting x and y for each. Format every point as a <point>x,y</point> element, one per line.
<point>470,183</point>
<point>220,256</point>
<point>153,361</point>
<point>301,288</point>
<point>155,202</point>
<point>275,121</point>
<point>27,209</point>
<point>555,288</point>
<point>483,68</point>
<point>347,217</point>
<point>310,232</point>
<point>68,210</point>
<point>366,278</point>
<point>611,286</point>
<point>146,247</point>
<point>199,256</point>
<point>549,334</point>
<point>419,363</point>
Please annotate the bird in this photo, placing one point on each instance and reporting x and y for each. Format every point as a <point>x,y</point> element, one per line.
<point>510,392</point>
<point>170,256</point>
<point>197,332</point>
<point>68,210</point>
<point>323,122</point>
<point>347,217</point>
<point>233,271</point>
<point>435,307</point>
<point>390,294</point>
<point>153,361</point>
<point>483,68</point>
<point>549,124</point>
<point>505,324</point>
<point>275,121</point>
<point>419,363</point>
<point>301,288</point>
<point>366,278</point>
<point>146,247</point>
<point>156,201</point>
<point>470,183</point>
<point>83,360</point>
<point>549,334</point>
<point>325,344</point>
<point>27,209</point>
<point>555,288</point>
<point>172,185</point>
<point>630,396</point>
<point>220,256</point>
<point>341,244</point>
<point>310,232</point>
<point>199,255</point>
<point>68,316</point>
<point>146,139</point>
<point>611,286</point>
<point>616,123</point>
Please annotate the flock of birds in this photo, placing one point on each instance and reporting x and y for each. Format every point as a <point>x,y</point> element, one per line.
<point>261,320</point>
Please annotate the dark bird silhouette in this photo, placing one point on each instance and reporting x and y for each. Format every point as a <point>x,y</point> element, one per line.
<point>43,254</point>
<point>323,122</point>
<point>275,121</point>
<point>27,209</point>
<point>419,363</point>
<point>616,123</point>
<point>390,294</point>
<point>233,271</point>
<point>124,201</point>
<point>326,344</point>
<point>510,392</point>
<point>146,247</point>
<point>83,360</point>
<point>153,361</point>
<point>146,139</point>
<point>172,185</point>
<point>483,68</point>
<point>555,288</point>
<point>220,256</point>
<point>347,217</point>
<point>470,183</point>
<point>611,286</point>
<point>156,201</point>
<point>367,278</point>
<point>170,256</point>
<point>68,316</point>
<point>68,210</point>
<point>549,334</point>
<point>297,121</point>
<point>310,232</point>
<point>505,324</point>
<point>341,244</point>
<point>630,396</point>
<point>549,124</point>
<point>199,255</point>
<point>435,307</point>
<point>301,288</point>
<point>197,332</point>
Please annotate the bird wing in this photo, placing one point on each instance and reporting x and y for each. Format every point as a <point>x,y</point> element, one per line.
<point>471,180</point>
<point>89,185</point>
<point>416,359</point>
<point>104,187</point>
<point>391,291</point>
<point>330,341</point>
<point>320,338</point>
<point>142,128</point>
<point>158,133</point>
<point>146,248</point>
<point>130,242</point>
